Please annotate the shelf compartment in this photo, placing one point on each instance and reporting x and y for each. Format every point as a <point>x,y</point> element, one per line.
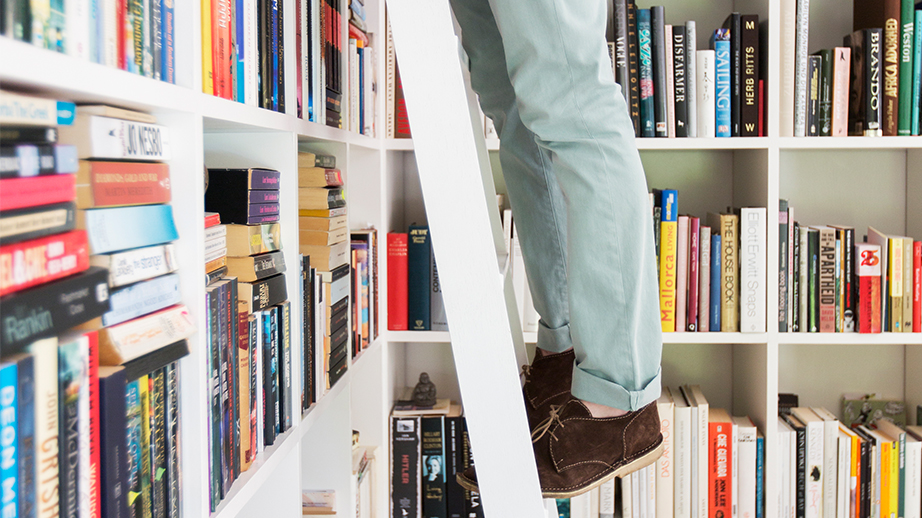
<point>850,338</point>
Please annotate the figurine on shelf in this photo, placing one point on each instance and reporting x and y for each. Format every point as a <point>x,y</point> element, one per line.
<point>424,393</point>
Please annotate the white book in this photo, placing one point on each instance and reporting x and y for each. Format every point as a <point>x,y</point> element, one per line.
<point>595,502</point>
<point>691,53</point>
<point>815,460</point>
<point>681,289</point>
<point>913,472</point>
<point>801,54</point>
<point>607,499</point>
<point>746,467</point>
<point>137,264</point>
<point>638,494</point>
<point>27,110</point>
<point>651,491</point>
<point>785,435</point>
<point>830,459</point>
<point>390,84</point>
<point>753,246</point>
<point>109,44</point>
<point>77,28</point>
<point>304,54</point>
<point>705,90</point>
<point>790,279</point>
<point>696,398</point>
<point>788,36</point>
<point>579,506</point>
<point>665,465</point>
<point>670,84</point>
<point>803,294</point>
<point>215,243</point>
<point>843,474</point>
<point>627,495</point>
<point>682,449</point>
<point>215,232</point>
<point>105,138</point>
<point>704,278</point>
<point>216,253</point>
<point>125,342</point>
<point>369,89</point>
<point>438,321</point>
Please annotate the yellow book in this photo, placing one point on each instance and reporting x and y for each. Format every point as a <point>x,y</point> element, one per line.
<point>207,69</point>
<point>895,273</point>
<point>727,225</point>
<point>669,234</point>
<point>146,496</point>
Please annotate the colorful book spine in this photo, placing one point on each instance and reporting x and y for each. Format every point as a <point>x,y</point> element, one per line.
<point>917,287</point>
<point>917,75</point>
<point>111,184</point>
<point>681,280</point>
<point>20,193</point>
<point>25,435</point>
<point>694,268</point>
<point>123,228</point>
<point>30,263</point>
<point>721,44</point>
<point>668,257</point>
<point>647,117</point>
<point>9,447</point>
<point>72,375</point>
<point>869,266</point>
<point>19,109</point>
<point>716,268</point>
<point>906,38</point>
<point>704,279</point>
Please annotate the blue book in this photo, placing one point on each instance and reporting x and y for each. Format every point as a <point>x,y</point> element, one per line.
<point>168,45</point>
<point>142,298</point>
<point>133,442</point>
<point>274,28</point>
<point>917,77</point>
<point>418,290</point>
<point>647,108</point>
<point>760,475</point>
<point>721,44</point>
<point>715,283</point>
<point>123,228</point>
<point>9,468</point>
<point>241,52</point>
<point>361,53</point>
<point>25,418</point>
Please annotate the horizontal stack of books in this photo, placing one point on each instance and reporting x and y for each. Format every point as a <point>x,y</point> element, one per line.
<point>870,86</point>
<point>249,340</point>
<point>675,90</point>
<point>830,282</point>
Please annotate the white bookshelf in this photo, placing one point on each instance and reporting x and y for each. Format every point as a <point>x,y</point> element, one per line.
<point>853,181</point>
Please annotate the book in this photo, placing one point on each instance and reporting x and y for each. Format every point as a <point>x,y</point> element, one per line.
<point>704,278</point>
<point>700,440</point>
<point>232,182</point>
<point>885,15</point>
<point>669,82</point>
<point>750,69</point>
<point>72,376</point>
<point>814,70</point>
<point>138,299</point>
<point>682,457</point>
<point>824,125</point>
<point>733,23</point>
<point>668,256</point>
<point>720,467</point>
<point>256,267</point>
<point>325,224</point>
<point>681,279</point>
<point>419,252</point>
<point>20,193</point>
<point>397,271</point>
<point>665,465</point>
<point>246,240</point>
<point>864,93</point>
<point>679,46</point>
<point>263,293</point>
<point>658,57</point>
<point>113,184</point>
<point>321,198</point>
<point>800,66</point>
<point>706,92</point>
<point>752,269</point>
<point>9,428</point>
<point>748,484</point>
<point>30,263</point>
<point>728,226</point>
<point>36,222</point>
<point>155,360</point>
<point>691,74</point>
<point>322,237</point>
<point>123,228</point>
<point>647,103</point>
<point>716,275</point>
<point>405,475</point>
<point>723,83</point>
<point>117,139</point>
<point>840,90</point>
<point>124,342</point>
<point>694,234</point>
<point>50,309</point>
<point>319,177</point>
<point>113,442</point>
<point>327,258</point>
<point>26,160</point>
<point>432,450</point>
<point>23,109</point>
<point>137,264</point>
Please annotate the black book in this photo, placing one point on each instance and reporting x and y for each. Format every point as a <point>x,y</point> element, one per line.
<point>850,285</point>
<point>284,339</point>
<point>733,23</point>
<point>814,69</point>
<point>633,65</point>
<point>172,441</point>
<point>113,443</point>
<point>825,94</point>
<point>751,67</point>
<point>801,468</point>
<point>864,108</point>
<point>233,343</point>
<point>224,415</point>
<point>866,484</point>
<point>680,80</point>
<point>215,275</point>
<point>473,504</point>
<point>454,443</point>
<point>155,360</point>
<point>254,322</point>
<point>796,287</point>
<point>658,43</point>
<point>25,433</point>
<point>280,75</point>
<point>158,444</point>
<point>270,371</point>
<point>264,292</point>
<point>307,333</point>
<point>433,465</point>
<point>18,161</point>
<point>12,134</point>
<point>264,44</point>
<point>214,366</point>
<point>338,370</point>
<point>36,222</point>
<point>620,57</point>
<point>50,309</point>
<point>419,251</point>
<point>405,474</point>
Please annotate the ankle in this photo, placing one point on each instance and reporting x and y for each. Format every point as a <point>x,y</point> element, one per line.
<point>600,411</point>
<point>539,352</point>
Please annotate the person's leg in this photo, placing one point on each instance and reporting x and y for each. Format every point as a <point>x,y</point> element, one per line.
<point>557,61</point>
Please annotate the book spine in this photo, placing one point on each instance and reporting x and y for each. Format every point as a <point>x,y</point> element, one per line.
<point>849,289</point>
<point>691,77</point>
<point>113,445</point>
<point>156,38</point>
<point>118,183</point>
<point>622,72</point>
<point>749,79</point>
<point>668,245</point>
<point>783,266</point>
<point>720,481</point>
<point>285,371</point>
<point>141,336</point>
<point>72,376</point>
<point>736,72</point>
<point>144,384</point>
<point>647,109</point>
<point>760,477</point>
<point>419,251</point>
<point>874,82</point>
<point>405,474</point>
<point>813,280</point>
<point>802,28</point>
<point>174,492</point>
<point>233,368</point>
<point>825,95</point>
<point>814,66</point>
<point>752,270</point>
<point>158,452</point>
<point>45,353</point>
<point>168,45</point>
<point>895,285</point>
<point>93,451</point>
<point>730,275</point>
<point>42,260</point>
<point>694,236</point>
<point>658,49</point>
<point>841,67</point>
<point>9,428</point>
<point>16,109</point>
<point>670,83</point>
<point>433,467</point>
<point>108,138</point>
<point>633,65</point>
<point>681,274</point>
<point>133,431</point>
<point>280,75</point>
<point>917,287</point>
<point>679,47</point>
<point>138,264</point>
<point>917,75</point>
<point>715,289</point>
<point>19,193</point>
<point>723,86</point>
<point>707,106</point>
<point>704,280</point>
<point>25,436</point>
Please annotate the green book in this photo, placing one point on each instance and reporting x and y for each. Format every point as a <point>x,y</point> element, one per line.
<point>907,23</point>
<point>825,111</point>
<point>813,279</point>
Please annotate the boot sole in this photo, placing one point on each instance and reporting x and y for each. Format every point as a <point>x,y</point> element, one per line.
<point>636,464</point>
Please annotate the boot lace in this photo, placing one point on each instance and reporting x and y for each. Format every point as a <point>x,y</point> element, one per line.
<point>546,425</point>
<point>526,373</point>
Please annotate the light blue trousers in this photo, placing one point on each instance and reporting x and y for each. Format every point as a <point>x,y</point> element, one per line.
<point>576,186</point>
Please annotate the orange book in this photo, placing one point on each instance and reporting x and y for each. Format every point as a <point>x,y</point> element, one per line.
<point>720,463</point>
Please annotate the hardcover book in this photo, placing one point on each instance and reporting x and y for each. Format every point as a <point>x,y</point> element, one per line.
<point>647,104</point>
<point>256,267</point>
<point>658,55</point>
<point>723,83</point>
<point>752,269</point>
<point>36,222</point>
<point>20,193</point>
<point>733,23</point>
<point>232,182</point>
<point>123,228</point>
<point>419,251</point>
<point>263,293</point>
<point>706,89</point>
<point>750,74</point>
<point>124,342</point>
<point>113,184</point>
<point>405,452</point>
<point>668,257</point>
<point>42,260</point>
<point>841,71</point>
<point>107,138</point>
<point>885,15</point>
<point>727,225</point>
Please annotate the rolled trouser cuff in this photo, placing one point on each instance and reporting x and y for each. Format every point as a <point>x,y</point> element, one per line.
<point>594,389</point>
<point>556,340</point>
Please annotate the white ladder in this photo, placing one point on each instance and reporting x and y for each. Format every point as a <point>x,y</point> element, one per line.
<point>466,235</point>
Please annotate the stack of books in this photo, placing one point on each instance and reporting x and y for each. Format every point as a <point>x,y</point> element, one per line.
<point>706,268</point>
<point>830,282</point>
<point>414,294</point>
<point>324,243</point>
<point>675,90</point>
<point>249,340</point>
<point>215,247</point>
<point>869,86</point>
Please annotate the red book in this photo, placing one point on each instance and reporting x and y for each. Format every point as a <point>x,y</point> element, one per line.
<point>402,119</point>
<point>121,7</point>
<point>220,47</point>
<point>95,491</point>
<point>694,237</point>
<point>37,261</point>
<point>867,257</point>
<point>917,287</point>
<point>355,32</point>
<point>115,184</point>
<point>212,219</point>
<point>397,281</point>
<point>19,193</point>
<point>720,463</point>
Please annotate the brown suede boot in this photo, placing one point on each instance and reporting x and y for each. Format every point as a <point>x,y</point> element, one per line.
<point>576,452</point>
<point>547,382</point>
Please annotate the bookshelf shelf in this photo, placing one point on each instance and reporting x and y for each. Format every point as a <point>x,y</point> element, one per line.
<point>693,144</point>
<point>787,143</point>
<point>715,338</point>
<point>850,339</point>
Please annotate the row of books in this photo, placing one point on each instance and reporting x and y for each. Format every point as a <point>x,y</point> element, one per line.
<point>675,90</point>
<point>830,282</point>
<point>869,86</point>
<point>134,35</point>
<point>830,469</point>
<point>711,271</point>
<point>414,293</point>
